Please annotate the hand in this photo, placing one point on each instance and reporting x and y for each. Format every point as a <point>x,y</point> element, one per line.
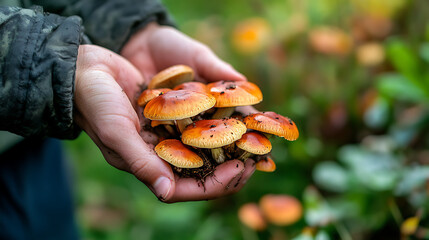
<point>105,90</point>
<point>156,47</point>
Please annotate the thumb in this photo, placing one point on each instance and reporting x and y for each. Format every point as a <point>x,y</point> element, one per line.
<point>209,67</point>
<point>143,163</point>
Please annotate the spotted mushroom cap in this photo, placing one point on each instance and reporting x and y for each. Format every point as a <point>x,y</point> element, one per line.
<point>213,133</point>
<point>272,123</point>
<point>192,86</point>
<point>177,154</point>
<point>255,143</point>
<point>266,165</point>
<point>180,104</point>
<point>235,93</point>
<point>150,94</point>
<point>171,77</point>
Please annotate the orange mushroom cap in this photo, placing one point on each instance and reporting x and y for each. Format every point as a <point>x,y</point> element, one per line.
<point>213,133</point>
<point>171,77</point>
<point>235,93</point>
<point>272,123</point>
<point>150,94</point>
<point>255,143</point>
<point>192,86</point>
<point>177,154</point>
<point>281,210</point>
<point>266,165</point>
<point>250,215</point>
<point>180,104</point>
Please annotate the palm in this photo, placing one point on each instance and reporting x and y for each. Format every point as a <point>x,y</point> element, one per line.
<point>106,90</point>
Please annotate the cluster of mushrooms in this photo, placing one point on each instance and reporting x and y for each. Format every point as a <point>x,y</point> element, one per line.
<point>199,127</point>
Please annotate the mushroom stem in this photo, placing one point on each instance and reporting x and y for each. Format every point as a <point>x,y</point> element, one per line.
<point>245,155</point>
<point>218,155</point>
<point>182,123</point>
<point>170,129</point>
<point>223,112</point>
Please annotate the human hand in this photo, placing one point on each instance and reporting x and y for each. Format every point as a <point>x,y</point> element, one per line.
<point>155,48</point>
<point>105,91</point>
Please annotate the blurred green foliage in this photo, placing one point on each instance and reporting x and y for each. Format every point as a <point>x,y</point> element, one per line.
<point>353,75</point>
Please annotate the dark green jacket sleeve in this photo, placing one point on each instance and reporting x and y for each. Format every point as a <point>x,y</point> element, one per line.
<point>110,23</point>
<point>38,54</point>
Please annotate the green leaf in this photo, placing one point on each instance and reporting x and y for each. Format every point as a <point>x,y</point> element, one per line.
<point>374,170</point>
<point>404,60</point>
<point>412,178</point>
<point>424,52</point>
<point>318,212</point>
<point>378,114</point>
<point>331,176</point>
<point>396,86</point>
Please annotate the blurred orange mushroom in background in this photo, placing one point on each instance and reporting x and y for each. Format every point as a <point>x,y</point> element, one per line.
<point>250,215</point>
<point>330,40</point>
<point>281,210</point>
<point>251,35</point>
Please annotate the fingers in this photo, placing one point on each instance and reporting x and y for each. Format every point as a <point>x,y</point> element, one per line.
<point>146,166</point>
<point>209,67</point>
<point>107,115</point>
<point>227,179</point>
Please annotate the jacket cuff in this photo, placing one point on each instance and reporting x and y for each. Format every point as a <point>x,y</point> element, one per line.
<point>113,22</point>
<point>39,69</point>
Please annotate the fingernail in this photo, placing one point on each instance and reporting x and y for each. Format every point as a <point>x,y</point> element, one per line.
<point>162,187</point>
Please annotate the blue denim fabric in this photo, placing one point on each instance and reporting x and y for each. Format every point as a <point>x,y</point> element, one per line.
<point>35,192</point>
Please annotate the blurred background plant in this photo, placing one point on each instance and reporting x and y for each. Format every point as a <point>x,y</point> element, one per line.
<point>353,75</point>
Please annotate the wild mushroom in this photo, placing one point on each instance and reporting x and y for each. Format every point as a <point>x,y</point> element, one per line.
<point>150,94</point>
<point>253,143</point>
<point>213,134</point>
<point>272,123</point>
<point>230,94</point>
<point>178,105</point>
<point>250,215</point>
<point>266,165</point>
<point>281,210</point>
<point>192,86</point>
<point>177,154</point>
<point>171,77</point>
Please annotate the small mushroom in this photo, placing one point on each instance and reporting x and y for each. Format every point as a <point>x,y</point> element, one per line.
<point>179,105</point>
<point>177,154</point>
<point>230,94</point>
<point>266,165</point>
<point>150,94</point>
<point>272,123</point>
<point>253,143</point>
<point>171,77</point>
<point>213,134</point>
<point>250,215</point>
<point>281,210</point>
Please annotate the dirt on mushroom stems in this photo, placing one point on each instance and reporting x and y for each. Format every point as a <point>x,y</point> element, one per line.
<point>200,174</point>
